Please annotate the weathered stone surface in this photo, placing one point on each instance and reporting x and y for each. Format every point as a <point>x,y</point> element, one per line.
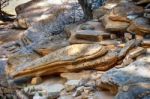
<point>114,25</point>
<point>92,35</point>
<point>88,32</point>
<point>125,12</point>
<point>136,72</point>
<point>69,58</point>
<point>132,91</point>
<point>140,26</point>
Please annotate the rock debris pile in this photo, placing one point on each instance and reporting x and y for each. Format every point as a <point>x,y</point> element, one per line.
<point>59,56</point>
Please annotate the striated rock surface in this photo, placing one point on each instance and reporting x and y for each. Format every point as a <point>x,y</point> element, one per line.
<point>71,58</point>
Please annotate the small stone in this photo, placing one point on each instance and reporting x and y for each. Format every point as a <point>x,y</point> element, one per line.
<point>113,36</point>
<point>54,91</point>
<point>36,80</point>
<point>71,85</point>
<point>78,91</point>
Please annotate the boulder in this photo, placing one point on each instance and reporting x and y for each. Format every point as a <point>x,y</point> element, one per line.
<point>140,26</point>
<point>71,58</point>
<point>136,72</point>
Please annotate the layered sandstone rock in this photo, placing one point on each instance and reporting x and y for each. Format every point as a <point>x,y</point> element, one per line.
<point>71,58</point>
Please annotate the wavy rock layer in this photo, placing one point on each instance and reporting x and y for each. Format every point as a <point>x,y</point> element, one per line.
<point>71,58</point>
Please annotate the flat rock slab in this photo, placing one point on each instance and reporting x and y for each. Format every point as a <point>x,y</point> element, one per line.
<point>136,72</point>
<point>89,32</point>
<point>92,35</point>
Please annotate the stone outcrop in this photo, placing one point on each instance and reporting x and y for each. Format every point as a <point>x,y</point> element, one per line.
<point>69,58</point>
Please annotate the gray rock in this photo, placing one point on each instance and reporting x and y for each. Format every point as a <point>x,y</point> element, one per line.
<point>134,91</point>
<point>136,72</point>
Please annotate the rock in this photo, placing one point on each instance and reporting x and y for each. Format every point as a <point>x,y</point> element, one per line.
<point>36,80</point>
<point>136,72</point>
<point>88,32</point>
<point>127,36</point>
<point>130,44</point>
<point>146,43</point>
<point>125,12</point>
<point>143,1</point>
<point>140,26</point>
<point>91,35</point>
<point>8,35</point>
<point>78,91</point>
<point>137,90</point>
<point>114,26</point>
<point>37,96</point>
<point>71,85</point>
<point>47,46</point>
<point>55,90</point>
<point>74,76</point>
<point>74,54</point>
<point>113,36</point>
<point>66,97</point>
<point>136,52</point>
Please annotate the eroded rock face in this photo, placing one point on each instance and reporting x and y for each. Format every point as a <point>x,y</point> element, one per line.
<point>71,58</point>
<point>136,72</point>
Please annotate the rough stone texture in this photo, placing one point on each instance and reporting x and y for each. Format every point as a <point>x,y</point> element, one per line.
<point>114,25</point>
<point>140,26</point>
<point>74,57</point>
<point>88,32</point>
<point>125,12</point>
<point>134,91</point>
<point>136,72</point>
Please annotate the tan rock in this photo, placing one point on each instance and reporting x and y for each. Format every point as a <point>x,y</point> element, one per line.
<point>71,58</point>
<point>114,25</point>
<point>36,80</point>
<point>91,35</point>
<point>140,26</point>
<point>146,43</point>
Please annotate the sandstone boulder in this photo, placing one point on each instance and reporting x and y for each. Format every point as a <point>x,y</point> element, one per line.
<point>71,58</point>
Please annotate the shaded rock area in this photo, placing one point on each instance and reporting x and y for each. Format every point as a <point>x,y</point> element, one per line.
<point>51,52</point>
